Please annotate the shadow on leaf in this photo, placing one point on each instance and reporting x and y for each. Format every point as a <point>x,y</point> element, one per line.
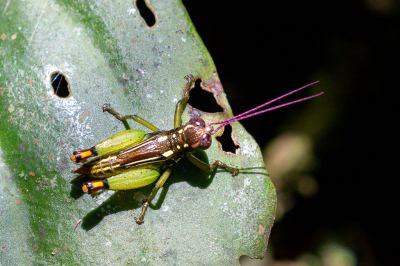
<point>126,200</point>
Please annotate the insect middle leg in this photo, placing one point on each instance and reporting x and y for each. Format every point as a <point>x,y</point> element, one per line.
<point>140,120</point>
<point>208,168</point>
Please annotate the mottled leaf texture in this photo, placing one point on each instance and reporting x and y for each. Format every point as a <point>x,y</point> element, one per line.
<point>106,53</point>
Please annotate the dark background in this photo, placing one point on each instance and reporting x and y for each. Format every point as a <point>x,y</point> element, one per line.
<point>264,49</point>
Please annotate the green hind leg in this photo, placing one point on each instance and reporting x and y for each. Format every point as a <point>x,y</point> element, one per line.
<point>134,178</point>
<point>153,193</point>
<point>113,144</point>
<point>130,180</point>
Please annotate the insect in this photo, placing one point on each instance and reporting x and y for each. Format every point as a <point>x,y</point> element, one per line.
<point>133,159</point>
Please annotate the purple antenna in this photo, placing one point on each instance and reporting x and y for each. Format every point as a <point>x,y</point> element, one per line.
<point>264,104</point>
<point>58,82</point>
<point>249,113</point>
<point>55,77</point>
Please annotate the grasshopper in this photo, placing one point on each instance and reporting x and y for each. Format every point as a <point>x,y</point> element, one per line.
<point>133,159</point>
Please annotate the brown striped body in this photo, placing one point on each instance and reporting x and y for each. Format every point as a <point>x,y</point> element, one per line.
<point>163,146</point>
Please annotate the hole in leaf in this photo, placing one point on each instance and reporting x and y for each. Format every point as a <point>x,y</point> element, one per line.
<point>226,141</point>
<point>60,84</point>
<point>203,100</point>
<point>146,12</point>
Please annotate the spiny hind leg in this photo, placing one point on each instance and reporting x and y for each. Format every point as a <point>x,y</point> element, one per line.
<point>140,120</point>
<point>159,184</point>
<point>208,168</point>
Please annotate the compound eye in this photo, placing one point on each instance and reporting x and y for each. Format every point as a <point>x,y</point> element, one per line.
<point>197,121</point>
<point>205,141</point>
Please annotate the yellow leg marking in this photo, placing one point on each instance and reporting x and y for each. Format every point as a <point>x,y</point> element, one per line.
<point>97,184</point>
<point>86,154</point>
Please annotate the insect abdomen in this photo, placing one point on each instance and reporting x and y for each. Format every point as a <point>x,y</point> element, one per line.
<point>105,167</point>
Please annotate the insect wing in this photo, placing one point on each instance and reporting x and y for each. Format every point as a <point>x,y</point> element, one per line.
<point>145,152</point>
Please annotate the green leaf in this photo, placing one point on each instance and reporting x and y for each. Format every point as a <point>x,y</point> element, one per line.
<point>109,55</point>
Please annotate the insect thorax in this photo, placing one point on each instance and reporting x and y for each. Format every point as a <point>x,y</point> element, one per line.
<point>173,144</point>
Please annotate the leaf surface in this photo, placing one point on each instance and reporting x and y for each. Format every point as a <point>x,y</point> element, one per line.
<point>109,55</point>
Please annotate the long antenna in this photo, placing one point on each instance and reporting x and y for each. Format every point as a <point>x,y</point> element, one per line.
<point>250,113</point>
<point>58,82</point>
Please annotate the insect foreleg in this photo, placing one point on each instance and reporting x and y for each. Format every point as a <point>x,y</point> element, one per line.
<point>140,120</point>
<point>153,193</point>
<point>207,168</point>
<point>181,104</point>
